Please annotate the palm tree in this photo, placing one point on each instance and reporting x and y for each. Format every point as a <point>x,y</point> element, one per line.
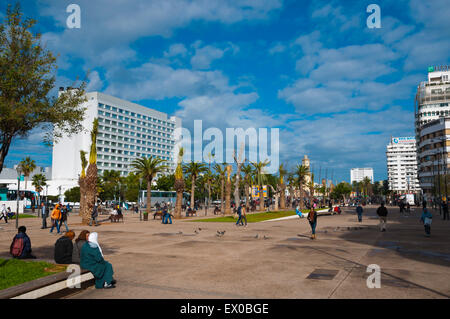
<point>283,173</point>
<point>39,181</point>
<point>179,183</point>
<point>147,168</point>
<point>248,179</point>
<point>27,166</point>
<point>227,211</point>
<point>91,176</point>
<point>260,178</point>
<point>194,169</point>
<point>301,172</point>
<point>366,183</point>
<point>220,170</point>
<point>82,183</point>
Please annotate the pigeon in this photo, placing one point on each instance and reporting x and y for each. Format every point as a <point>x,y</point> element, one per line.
<point>180,232</point>
<point>256,236</point>
<point>199,229</point>
<point>195,231</point>
<point>266,237</point>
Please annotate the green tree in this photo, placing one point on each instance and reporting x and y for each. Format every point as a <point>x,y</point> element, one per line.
<point>27,165</point>
<point>194,169</point>
<point>260,179</point>
<point>165,182</point>
<point>341,191</point>
<point>26,78</point>
<point>301,172</point>
<point>73,194</point>
<point>39,181</point>
<point>147,168</point>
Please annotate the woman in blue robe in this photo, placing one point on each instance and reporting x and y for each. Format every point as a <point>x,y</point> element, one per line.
<point>91,258</point>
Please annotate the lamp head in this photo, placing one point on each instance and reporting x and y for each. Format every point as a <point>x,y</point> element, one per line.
<point>19,170</point>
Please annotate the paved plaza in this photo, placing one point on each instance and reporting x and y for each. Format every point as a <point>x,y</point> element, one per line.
<point>274,259</point>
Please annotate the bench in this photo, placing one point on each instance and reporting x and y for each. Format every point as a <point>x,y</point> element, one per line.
<point>52,286</point>
<point>160,213</point>
<point>192,213</point>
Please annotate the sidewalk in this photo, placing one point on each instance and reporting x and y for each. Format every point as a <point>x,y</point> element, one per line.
<point>264,260</point>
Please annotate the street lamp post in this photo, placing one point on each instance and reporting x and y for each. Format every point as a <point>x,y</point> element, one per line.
<point>19,173</point>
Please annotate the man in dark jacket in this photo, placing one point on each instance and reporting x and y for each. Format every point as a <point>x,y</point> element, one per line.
<point>26,252</point>
<point>64,248</point>
<point>359,211</point>
<point>94,216</point>
<point>382,214</point>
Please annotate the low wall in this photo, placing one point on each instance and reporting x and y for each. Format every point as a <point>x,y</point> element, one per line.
<point>13,205</point>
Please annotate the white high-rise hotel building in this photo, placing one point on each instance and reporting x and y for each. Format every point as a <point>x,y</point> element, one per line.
<point>402,164</point>
<point>126,131</point>
<point>358,174</point>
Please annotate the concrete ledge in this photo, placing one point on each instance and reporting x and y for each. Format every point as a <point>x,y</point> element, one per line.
<point>53,286</point>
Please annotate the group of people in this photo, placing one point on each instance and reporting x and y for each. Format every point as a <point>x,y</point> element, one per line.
<point>242,215</point>
<point>58,218</point>
<point>85,251</point>
<point>5,213</point>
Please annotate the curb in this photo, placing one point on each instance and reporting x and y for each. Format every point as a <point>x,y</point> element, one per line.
<point>53,286</point>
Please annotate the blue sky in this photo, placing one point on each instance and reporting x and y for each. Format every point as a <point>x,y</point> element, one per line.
<point>336,89</point>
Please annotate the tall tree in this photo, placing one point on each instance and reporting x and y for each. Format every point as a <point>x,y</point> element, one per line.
<point>301,172</point>
<point>26,78</point>
<point>147,168</point>
<point>229,170</point>
<point>179,183</point>
<point>39,181</point>
<point>261,179</point>
<point>91,176</point>
<point>82,183</point>
<point>282,171</point>
<point>221,171</point>
<point>248,181</point>
<point>27,165</point>
<point>194,169</point>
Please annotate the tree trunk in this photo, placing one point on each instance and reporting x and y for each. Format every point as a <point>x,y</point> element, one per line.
<point>282,196</point>
<point>149,196</point>
<point>261,198</point>
<point>91,192</point>
<point>4,148</point>
<point>247,202</point>
<point>228,198</point>
<point>193,192</point>
<point>82,184</point>
<point>302,206</point>
<point>222,191</point>
<point>179,187</point>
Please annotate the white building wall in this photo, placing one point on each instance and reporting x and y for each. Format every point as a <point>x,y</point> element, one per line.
<point>401,158</point>
<point>358,174</point>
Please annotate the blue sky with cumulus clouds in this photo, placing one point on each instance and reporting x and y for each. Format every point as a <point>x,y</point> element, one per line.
<point>336,89</point>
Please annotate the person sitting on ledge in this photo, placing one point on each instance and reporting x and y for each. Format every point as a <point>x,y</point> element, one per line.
<point>79,242</point>
<point>21,245</point>
<point>92,259</point>
<point>64,248</point>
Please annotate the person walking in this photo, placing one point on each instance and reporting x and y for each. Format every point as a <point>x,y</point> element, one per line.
<point>239,212</point>
<point>312,219</point>
<point>64,213</point>
<point>64,248</point>
<point>426,218</point>
<point>44,215</point>
<point>94,215</point>
<point>55,217</point>
<point>445,209</point>
<point>359,211</point>
<point>93,260</point>
<point>382,213</point>
<point>4,213</point>
<point>243,216</point>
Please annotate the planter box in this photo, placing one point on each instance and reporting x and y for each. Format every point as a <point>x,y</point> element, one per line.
<point>145,216</point>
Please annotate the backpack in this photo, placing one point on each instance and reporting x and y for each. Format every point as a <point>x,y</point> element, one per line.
<point>17,246</point>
